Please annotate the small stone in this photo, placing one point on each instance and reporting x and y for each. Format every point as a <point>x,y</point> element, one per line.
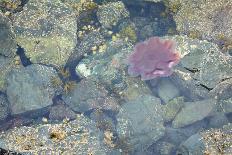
<point>194,111</point>
<point>167,90</point>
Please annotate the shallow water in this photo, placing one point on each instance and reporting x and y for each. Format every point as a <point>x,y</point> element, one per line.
<point>116,77</point>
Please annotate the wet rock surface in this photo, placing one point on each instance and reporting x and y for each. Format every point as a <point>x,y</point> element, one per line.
<point>7,35</point>
<point>89,95</point>
<point>4,107</point>
<point>79,136</point>
<point>30,88</point>
<point>47,31</point>
<point>140,122</point>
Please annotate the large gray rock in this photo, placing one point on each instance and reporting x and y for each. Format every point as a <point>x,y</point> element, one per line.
<point>4,107</point>
<point>206,63</point>
<point>46,30</point>
<point>111,13</point>
<point>79,137</point>
<point>31,88</point>
<point>207,19</point>
<point>88,95</point>
<point>140,122</point>
<point>194,111</point>
<point>171,109</point>
<point>193,145</point>
<point>8,45</point>
<point>167,90</point>
<point>6,64</point>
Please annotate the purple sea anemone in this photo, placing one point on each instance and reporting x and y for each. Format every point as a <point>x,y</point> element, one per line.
<point>153,58</point>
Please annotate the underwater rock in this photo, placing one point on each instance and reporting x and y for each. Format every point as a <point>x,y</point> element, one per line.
<point>226,105</point>
<point>153,58</point>
<point>46,30</point>
<point>167,90</point>
<point>79,136</point>
<point>194,111</point>
<point>61,112</point>
<point>6,64</point>
<point>201,68</point>
<point>211,65</point>
<point>193,145</point>
<point>8,45</point>
<point>172,108</point>
<point>102,120</point>
<point>92,39</point>
<point>140,122</point>
<point>223,90</point>
<point>218,120</point>
<point>31,88</point>
<point>218,141</point>
<point>206,19</point>
<point>165,148</point>
<point>213,141</point>
<point>4,107</point>
<point>88,95</point>
<point>111,13</point>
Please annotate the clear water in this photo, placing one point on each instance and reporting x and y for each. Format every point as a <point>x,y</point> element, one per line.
<point>187,112</point>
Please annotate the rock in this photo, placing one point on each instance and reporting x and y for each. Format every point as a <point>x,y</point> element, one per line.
<point>8,45</point>
<point>31,88</point>
<point>223,90</point>
<point>206,63</point>
<point>214,15</point>
<point>226,105</point>
<point>189,87</point>
<point>79,136</point>
<point>217,141</point>
<point>89,95</point>
<point>6,64</point>
<point>140,122</point>
<point>111,13</point>
<point>193,145</point>
<point>47,31</point>
<point>167,90</point>
<point>90,40</point>
<point>218,120</point>
<point>194,111</point>
<point>61,112</point>
<point>102,120</point>
<point>4,107</point>
<point>165,148</point>
<point>172,108</point>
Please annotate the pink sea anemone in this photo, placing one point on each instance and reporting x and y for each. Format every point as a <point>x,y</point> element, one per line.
<point>153,58</point>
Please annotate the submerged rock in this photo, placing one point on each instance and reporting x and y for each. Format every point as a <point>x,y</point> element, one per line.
<point>88,95</point>
<point>167,90</point>
<point>46,30</point>
<point>31,88</point>
<point>140,122</point>
<point>111,13</point>
<point>213,141</point>
<point>4,107</point>
<point>207,19</point>
<point>8,45</point>
<point>61,112</point>
<point>6,64</point>
<point>194,111</point>
<point>75,137</point>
